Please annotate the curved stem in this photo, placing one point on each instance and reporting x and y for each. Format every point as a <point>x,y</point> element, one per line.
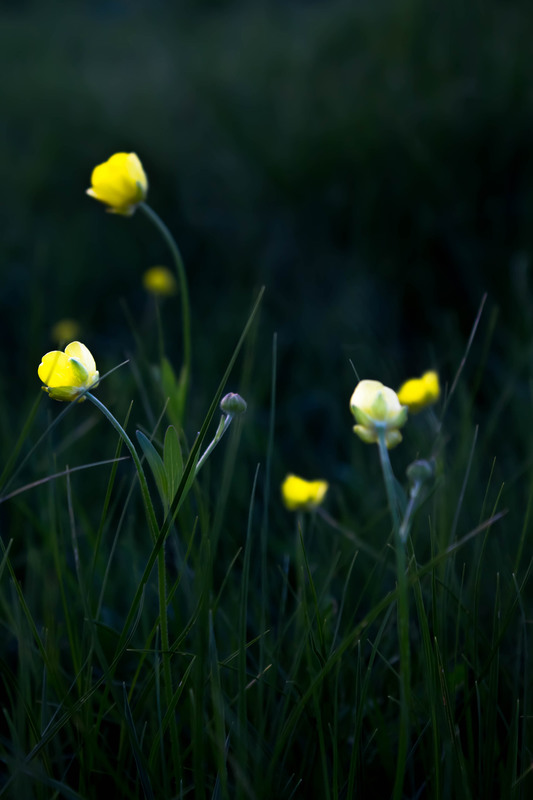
<point>223,425</point>
<point>147,500</point>
<point>182,278</point>
<point>403,618</point>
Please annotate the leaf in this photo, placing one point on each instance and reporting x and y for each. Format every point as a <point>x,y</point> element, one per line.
<point>156,465</point>
<point>136,747</point>
<point>175,390</point>
<point>173,461</point>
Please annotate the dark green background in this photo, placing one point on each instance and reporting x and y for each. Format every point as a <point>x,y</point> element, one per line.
<point>370,163</point>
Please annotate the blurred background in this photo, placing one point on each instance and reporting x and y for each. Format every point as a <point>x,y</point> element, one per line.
<point>369,162</point>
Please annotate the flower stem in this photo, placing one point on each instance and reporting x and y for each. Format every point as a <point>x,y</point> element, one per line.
<point>223,425</point>
<point>184,291</point>
<point>148,505</point>
<point>403,618</point>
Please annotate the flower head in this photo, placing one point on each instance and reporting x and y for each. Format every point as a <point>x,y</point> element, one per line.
<point>65,330</point>
<point>120,183</point>
<point>418,393</point>
<point>66,375</point>
<point>159,281</point>
<point>301,495</point>
<point>377,408</point>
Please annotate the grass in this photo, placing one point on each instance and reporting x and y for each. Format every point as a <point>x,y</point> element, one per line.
<point>207,648</point>
<point>183,634</point>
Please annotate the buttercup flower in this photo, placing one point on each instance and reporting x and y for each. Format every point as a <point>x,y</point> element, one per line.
<point>66,375</point>
<point>65,330</point>
<point>159,281</point>
<point>376,407</point>
<point>301,495</point>
<point>418,393</point>
<point>120,183</point>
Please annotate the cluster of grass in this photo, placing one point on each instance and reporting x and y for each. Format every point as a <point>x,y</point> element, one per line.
<point>162,643</point>
<point>260,656</point>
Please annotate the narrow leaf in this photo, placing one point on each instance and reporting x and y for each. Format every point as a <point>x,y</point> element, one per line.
<point>156,465</point>
<point>175,390</point>
<point>173,461</point>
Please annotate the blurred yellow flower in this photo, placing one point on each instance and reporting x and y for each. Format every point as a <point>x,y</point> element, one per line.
<point>65,330</point>
<point>120,183</point>
<point>376,407</point>
<point>160,281</point>
<point>66,375</point>
<point>301,495</point>
<point>418,393</point>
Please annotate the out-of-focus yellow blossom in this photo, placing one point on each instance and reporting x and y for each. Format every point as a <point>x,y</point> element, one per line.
<point>120,183</point>
<point>301,495</point>
<point>160,281</point>
<point>418,393</point>
<point>376,407</point>
<point>65,330</point>
<point>67,374</point>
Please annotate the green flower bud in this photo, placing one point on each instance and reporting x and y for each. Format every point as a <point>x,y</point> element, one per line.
<point>233,404</point>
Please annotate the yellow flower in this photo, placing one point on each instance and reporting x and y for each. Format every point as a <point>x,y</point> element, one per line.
<point>376,407</point>
<point>418,393</point>
<point>120,183</point>
<point>66,375</point>
<point>301,495</point>
<point>65,330</point>
<point>159,281</point>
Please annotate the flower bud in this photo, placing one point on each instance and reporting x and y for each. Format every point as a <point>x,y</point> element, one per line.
<point>67,375</point>
<point>420,471</point>
<point>120,183</point>
<point>233,404</point>
<point>377,408</point>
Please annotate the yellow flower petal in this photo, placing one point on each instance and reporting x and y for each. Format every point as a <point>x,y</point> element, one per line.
<point>120,183</point>
<point>301,495</point>
<point>55,369</point>
<point>83,354</point>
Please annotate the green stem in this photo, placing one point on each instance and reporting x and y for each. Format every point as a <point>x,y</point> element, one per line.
<point>161,572</point>
<point>184,291</point>
<point>388,477</point>
<point>406,522</point>
<point>148,506</point>
<point>223,425</point>
<point>403,618</point>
